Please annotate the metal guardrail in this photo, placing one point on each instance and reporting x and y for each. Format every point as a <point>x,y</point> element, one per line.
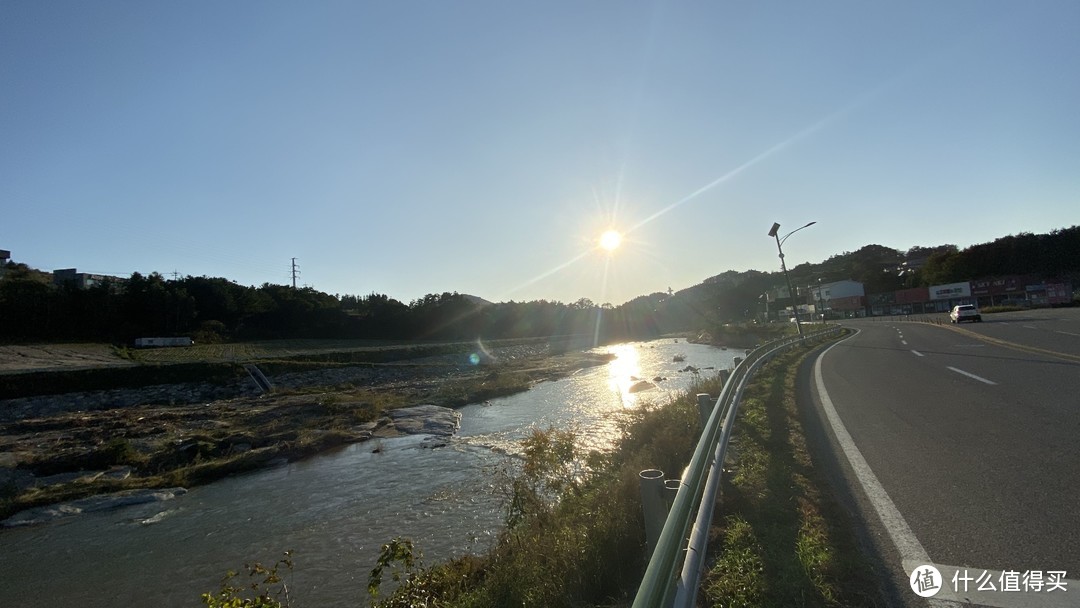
<point>676,547</point>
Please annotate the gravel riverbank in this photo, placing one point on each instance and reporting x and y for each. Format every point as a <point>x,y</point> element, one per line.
<point>60,448</point>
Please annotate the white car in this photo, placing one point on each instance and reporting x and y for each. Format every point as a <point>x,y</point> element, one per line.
<point>965,312</point>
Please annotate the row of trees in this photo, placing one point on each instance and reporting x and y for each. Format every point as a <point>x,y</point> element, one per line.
<point>32,308</point>
<point>211,309</point>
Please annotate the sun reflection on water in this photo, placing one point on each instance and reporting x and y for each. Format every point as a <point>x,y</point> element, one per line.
<point>624,372</point>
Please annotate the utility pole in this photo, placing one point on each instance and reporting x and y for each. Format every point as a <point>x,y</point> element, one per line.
<point>295,272</point>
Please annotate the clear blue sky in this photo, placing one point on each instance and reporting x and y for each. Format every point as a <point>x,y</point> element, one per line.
<point>482,147</point>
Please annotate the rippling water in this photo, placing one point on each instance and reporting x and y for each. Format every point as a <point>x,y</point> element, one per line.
<point>335,510</point>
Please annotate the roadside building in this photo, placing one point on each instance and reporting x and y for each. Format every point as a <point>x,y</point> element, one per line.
<point>81,280</point>
<point>778,304</point>
<point>903,302</point>
<point>1049,294</point>
<point>944,297</point>
<point>1001,291</point>
<point>845,298</point>
<point>913,301</point>
<point>883,304</point>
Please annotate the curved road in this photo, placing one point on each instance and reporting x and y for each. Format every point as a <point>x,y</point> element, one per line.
<point>960,447</point>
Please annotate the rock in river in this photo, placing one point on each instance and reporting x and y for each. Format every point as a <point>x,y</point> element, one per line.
<point>425,420</point>
<point>40,515</point>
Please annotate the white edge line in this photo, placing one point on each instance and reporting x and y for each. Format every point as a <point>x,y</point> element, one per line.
<point>972,376</point>
<point>912,553</point>
<point>1067,333</point>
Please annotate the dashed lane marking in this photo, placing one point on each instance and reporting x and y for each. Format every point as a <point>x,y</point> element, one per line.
<point>912,553</point>
<point>971,375</point>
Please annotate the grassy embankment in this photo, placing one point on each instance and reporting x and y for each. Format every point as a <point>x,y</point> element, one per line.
<point>575,532</point>
<point>215,363</point>
<point>780,539</point>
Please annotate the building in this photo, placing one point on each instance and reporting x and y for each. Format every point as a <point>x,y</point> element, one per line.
<point>1003,290</point>
<point>778,303</point>
<point>845,298</point>
<point>5,257</point>
<point>944,297</point>
<point>1013,290</point>
<point>80,280</point>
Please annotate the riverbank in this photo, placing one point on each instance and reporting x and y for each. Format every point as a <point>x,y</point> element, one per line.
<point>743,335</point>
<point>575,534</point>
<point>66,447</point>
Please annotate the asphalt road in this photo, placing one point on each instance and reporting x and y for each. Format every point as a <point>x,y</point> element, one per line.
<point>969,440</point>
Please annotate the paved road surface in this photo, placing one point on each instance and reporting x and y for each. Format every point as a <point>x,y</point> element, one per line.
<point>973,437</point>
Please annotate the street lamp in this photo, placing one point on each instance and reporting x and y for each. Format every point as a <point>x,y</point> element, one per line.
<point>821,300</point>
<point>774,232</point>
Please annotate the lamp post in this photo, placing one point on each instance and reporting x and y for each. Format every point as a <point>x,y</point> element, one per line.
<point>821,300</point>
<point>774,232</point>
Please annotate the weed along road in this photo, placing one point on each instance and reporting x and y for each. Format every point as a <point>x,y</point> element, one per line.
<point>959,449</point>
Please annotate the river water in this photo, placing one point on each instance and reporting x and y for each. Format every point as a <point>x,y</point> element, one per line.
<point>334,510</point>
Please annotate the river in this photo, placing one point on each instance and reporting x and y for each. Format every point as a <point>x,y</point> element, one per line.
<point>334,510</point>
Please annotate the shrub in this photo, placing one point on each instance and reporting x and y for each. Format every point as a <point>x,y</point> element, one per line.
<point>263,592</point>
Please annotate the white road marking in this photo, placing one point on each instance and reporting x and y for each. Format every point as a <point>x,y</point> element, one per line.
<point>1067,333</point>
<point>912,553</point>
<point>1029,327</point>
<point>904,342</point>
<point>917,353</point>
<point>973,376</point>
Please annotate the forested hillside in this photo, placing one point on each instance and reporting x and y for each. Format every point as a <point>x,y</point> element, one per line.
<point>214,309</point>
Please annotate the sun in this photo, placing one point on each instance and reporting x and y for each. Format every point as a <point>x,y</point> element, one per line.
<point>610,240</point>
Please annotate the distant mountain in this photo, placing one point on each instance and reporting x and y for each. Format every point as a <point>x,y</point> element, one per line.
<point>734,296</point>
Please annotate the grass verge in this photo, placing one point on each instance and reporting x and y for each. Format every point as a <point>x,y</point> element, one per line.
<point>779,539</point>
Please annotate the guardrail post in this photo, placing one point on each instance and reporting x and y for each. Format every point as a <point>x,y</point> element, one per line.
<point>653,505</point>
<point>671,490</point>
<point>705,405</point>
<point>724,375</point>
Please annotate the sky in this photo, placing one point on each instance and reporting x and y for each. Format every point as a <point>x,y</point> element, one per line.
<point>417,147</point>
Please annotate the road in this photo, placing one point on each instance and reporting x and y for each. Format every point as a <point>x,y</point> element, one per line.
<point>960,447</point>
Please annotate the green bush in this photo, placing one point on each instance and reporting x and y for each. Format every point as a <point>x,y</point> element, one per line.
<point>266,590</point>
